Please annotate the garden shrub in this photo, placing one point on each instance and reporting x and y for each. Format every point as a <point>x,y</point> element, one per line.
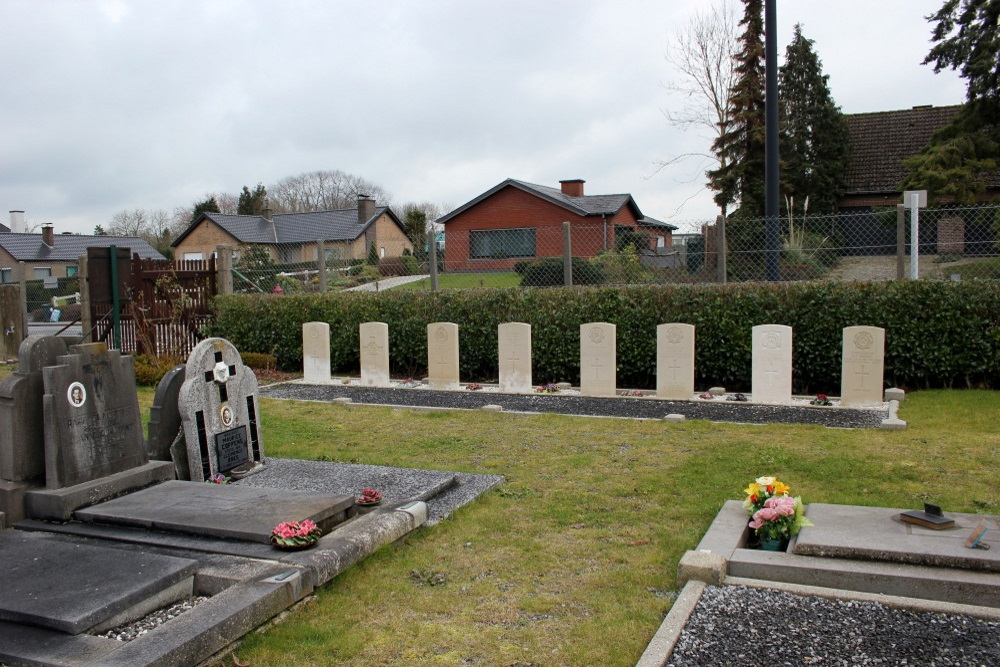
<point>259,360</point>
<point>548,272</point>
<point>938,333</point>
<point>149,370</point>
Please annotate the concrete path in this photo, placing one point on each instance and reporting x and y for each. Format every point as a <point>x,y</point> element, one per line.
<point>385,283</point>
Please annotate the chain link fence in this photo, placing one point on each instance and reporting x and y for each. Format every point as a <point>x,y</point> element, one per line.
<point>951,243</point>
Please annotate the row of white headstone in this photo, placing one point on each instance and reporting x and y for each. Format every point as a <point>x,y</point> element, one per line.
<point>771,377</point>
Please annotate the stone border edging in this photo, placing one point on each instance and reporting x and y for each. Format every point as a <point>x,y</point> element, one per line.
<point>662,644</point>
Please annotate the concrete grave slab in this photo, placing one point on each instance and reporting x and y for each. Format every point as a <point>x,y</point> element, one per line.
<point>219,405</point>
<point>862,366</point>
<point>27,645</point>
<point>876,533</point>
<point>218,510</point>
<point>442,355</point>
<point>374,341</point>
<point>164,415</point>
<point>771,372</point>
<point>92,422</point>
<point>72,587</point>
<point>316,352</point>
<point>675,361</point>
<point>598,359</point>
<point>22,432</point>
<point>515,357</point>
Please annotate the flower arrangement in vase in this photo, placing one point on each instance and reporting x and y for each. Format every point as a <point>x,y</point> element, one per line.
<point>821,399</point>
<point>295,534</point>
<point>774,515</point>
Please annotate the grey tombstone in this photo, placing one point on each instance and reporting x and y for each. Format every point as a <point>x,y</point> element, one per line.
<point>675,361</point>
<point>442,355</point>
<point>515,357</point>
<point>164,416</point>
<point>862,366</point>
<point>22,432</point>
<point>598,359</point>
<point>771,373</point>
<point>92,423</point>
<point>316,352</point>
<point>219,406</point>
<point>374,352</point>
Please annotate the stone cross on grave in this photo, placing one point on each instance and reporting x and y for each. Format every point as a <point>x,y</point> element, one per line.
<point>218,404</point>
<point>861,377</point>
<point>674,368</point>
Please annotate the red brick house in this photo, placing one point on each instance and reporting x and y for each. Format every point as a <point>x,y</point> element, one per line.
<point>516,220</point>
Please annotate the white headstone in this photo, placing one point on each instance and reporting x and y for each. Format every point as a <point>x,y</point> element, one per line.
<point>219,404</point>
<point>442,355</point>
<point>316,352</point>
<point>675,361</point>
<point>862,368</point>
<point>598,356</point>
<point>772,364</point>
<point>515,357</point>
<point>374,343</point>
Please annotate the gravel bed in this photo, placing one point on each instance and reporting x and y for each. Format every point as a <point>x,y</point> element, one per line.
<point>648,408</point>
<point>737,625</point>
<point>135,629</point>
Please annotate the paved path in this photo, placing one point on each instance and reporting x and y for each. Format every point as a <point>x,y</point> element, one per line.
<point>385,283</point>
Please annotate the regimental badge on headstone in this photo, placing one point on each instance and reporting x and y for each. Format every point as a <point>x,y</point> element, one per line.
<point>218,403</point>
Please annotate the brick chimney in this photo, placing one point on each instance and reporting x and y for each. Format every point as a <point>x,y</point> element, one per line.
<point>48,235</point>
<point>268,213</point>
<point>366,208</point>
<point>572,187</point>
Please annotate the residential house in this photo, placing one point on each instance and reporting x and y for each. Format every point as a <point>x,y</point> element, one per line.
<point>516,220</point>
<point>880,142</point>
<point>292,237</point>
<point>51,255</point>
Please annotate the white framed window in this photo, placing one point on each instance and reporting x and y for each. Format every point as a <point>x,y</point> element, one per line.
<point>193,255</point>
<point>660,242</point>
<point>72,271</point>
<point>41,272</point>
<point>502,243</point>
<point>6,275</point>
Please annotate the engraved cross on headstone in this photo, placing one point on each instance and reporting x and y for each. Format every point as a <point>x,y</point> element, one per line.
<point>220,374</point>
<point>771,373</point>
<point>513,358</point>
<point>674,367</point>
<point>862,373</point>
<point>597,367</point>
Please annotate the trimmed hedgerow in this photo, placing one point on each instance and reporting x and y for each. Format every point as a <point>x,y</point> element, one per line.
<point>937,333</point>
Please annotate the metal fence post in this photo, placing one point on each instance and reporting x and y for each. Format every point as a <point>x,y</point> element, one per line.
<point>900,242</point>
<point>434,263</point>
<point>23,280</point>
<point>224,269</point>
<point>321,264</point>
<point>567,257</point>
<point>720,223</point>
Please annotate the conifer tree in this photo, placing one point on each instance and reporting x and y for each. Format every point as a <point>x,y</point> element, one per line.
<point>813,131</point>
<point>741,144</point>
<point>252,202</point>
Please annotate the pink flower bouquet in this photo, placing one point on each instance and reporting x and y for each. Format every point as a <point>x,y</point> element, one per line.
<point>295,534</point>
<point>774,515</point>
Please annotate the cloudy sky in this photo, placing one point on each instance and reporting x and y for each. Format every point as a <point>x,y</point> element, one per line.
<point>119,104</point>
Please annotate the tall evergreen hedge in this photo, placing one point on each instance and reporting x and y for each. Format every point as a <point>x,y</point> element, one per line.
<point>937,333</point>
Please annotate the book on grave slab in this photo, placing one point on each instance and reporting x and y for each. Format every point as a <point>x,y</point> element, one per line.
<point>931,517</point>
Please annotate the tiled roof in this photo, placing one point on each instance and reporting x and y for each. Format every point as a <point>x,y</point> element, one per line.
<point>880,142</point>
<point>4,229</point>
<point>586,205</point>
<point>304,227</point>
<point>653,222</point>
<point>69,247</point>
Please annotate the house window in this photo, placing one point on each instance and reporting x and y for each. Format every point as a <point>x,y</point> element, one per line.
<point>6,275</point>
<point>381,252</point>
<point>502,243</point>
<point>660,242</point>
<point>42,272</point>
<point>72,271</point>
<point>193,255</point>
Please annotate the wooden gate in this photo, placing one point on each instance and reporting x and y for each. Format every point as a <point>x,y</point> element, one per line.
<point>163,305</point>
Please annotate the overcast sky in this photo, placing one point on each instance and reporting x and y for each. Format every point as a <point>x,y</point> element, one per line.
<point>122,104</point>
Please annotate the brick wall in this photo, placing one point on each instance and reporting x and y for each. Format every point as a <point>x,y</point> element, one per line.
<point>204,239</point>
<point>951,236</point>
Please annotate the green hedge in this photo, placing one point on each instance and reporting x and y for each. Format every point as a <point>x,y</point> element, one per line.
<point>937,333</point>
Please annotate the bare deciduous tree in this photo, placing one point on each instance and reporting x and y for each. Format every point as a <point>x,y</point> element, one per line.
<point>702,56</point>
<point>323,191</point>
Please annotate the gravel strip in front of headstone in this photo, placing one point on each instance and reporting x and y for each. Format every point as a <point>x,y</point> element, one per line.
<point>739,625</point>
<point>129,631</point>
<point>619,406</point>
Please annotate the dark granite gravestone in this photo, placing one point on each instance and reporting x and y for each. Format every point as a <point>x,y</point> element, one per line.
<point>164,417</point>
<point>218,404</point>
<point>92,423</point>
<point>22,433</point>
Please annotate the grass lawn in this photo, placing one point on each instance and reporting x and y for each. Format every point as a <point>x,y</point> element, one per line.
<point>466,281</point>
<point>573,560</point>
<point>982,269</point>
